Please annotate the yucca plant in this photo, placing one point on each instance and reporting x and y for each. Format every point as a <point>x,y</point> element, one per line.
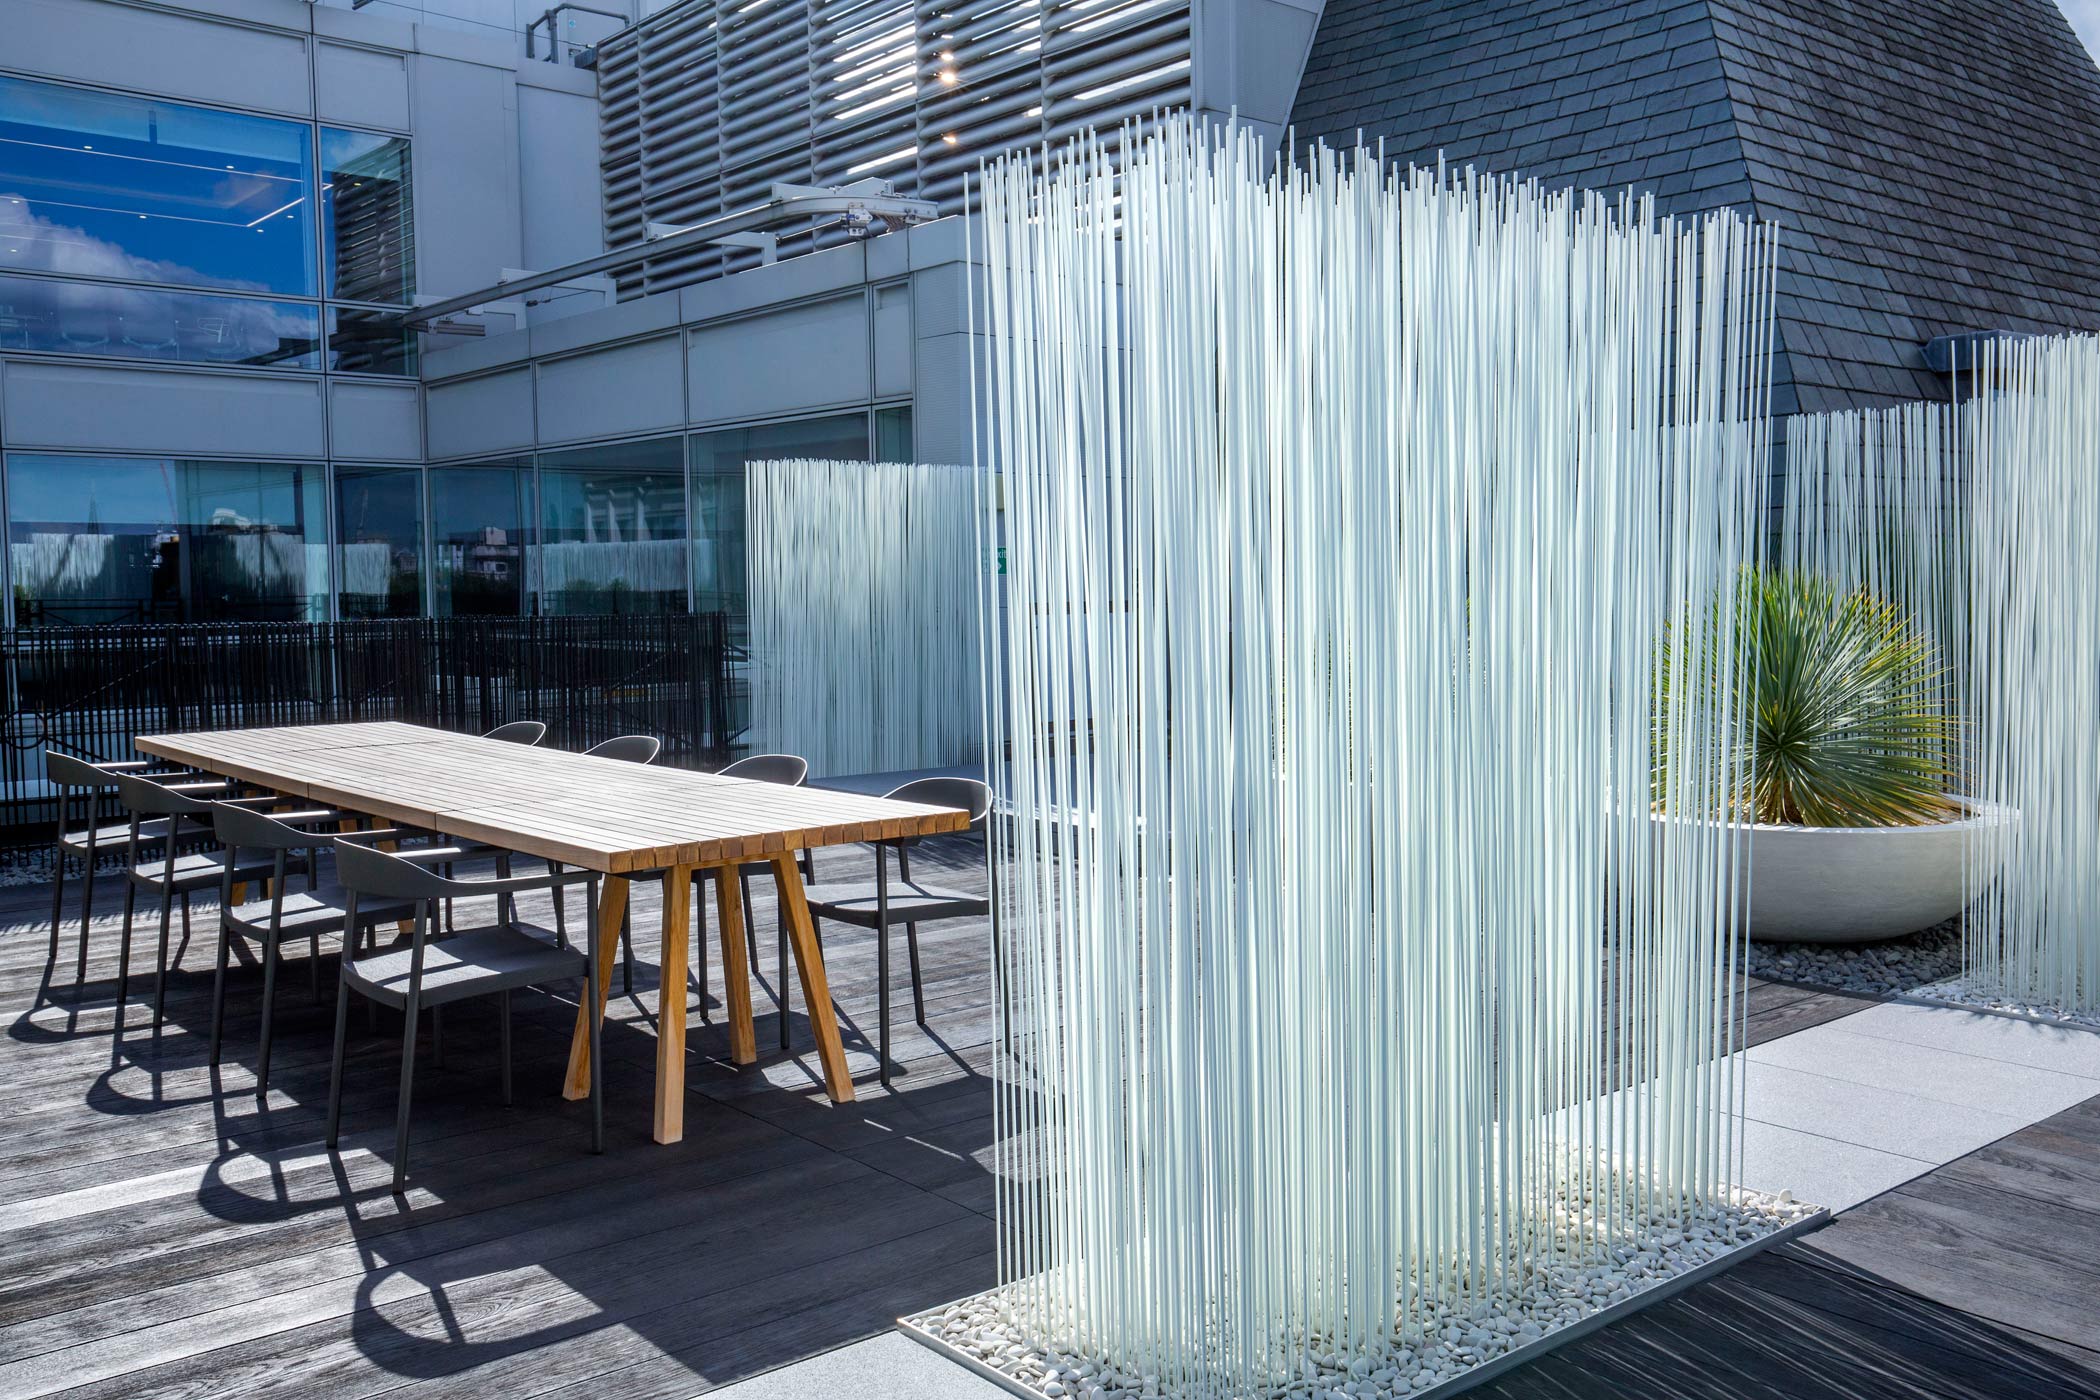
<point>1846,722</point>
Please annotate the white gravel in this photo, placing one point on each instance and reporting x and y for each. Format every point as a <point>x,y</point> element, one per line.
<point>1435,1344</point>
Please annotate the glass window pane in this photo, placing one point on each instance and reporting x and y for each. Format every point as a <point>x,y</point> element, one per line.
<point>477,518</point>
<point>367,216</point>
<point>893,440</point>
<point>379,517</point>
<point>718,493</point>
<point>614,536</point>
<point>369,342</point>
<point>154,191</point>
<point>126,539</point>
<point>137,323</point>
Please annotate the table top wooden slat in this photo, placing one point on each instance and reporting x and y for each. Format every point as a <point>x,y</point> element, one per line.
<point>597,813</point>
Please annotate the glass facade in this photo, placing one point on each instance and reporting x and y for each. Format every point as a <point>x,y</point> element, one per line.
<point>100,185</point>
<point>651,526</point>
<point>893,435</point>
<point>613,526</point>
<point>366,216</point>
<point>369,342</point>
<point>147,323</point>
<point>718,492</point>
<point>478,518</point>
<point>379,521</point>
<point>116,210</point>
<point>126,539</point>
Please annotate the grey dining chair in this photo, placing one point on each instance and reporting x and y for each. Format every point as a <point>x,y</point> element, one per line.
<point>788,770</point>
<point>267,923</point>
<point>518,731</point>
<point>621,748</point>
<point>877,903</point>
<point>71,779</point>
<point>434,973</point>
<point>176,874</point>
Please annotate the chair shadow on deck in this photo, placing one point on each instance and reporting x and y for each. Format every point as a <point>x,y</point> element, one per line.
<point>779,1227</point>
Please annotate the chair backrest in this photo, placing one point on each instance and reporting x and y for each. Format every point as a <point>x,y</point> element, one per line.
<point>628,748</point>
<point>518,731</point>
<point>783,768</point>
<point>75,772</point>
<point>966,793</point>
<point>151,799</point>
<point>245,828</point>
<point>365,871</point>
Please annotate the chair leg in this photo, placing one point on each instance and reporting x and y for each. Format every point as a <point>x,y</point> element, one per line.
<point>160,971</point>
<point>58,908</point>
<point>87,905</point>
<point>131,899</point>
<point>313,964</point>
<point>591,983</point>
<point>506,905</point>
<point>784,997</point>
<point>335,1064</point>
<point>918,991</point>
<point>627,953</point>
<point>272,951</point>
<point>561,906</point>
<point>503,1036</point>
<point>882,983</point>
<point>410,1015</point>
<point>218,990</point>
<point>184,945</point>
<point>700,945</point>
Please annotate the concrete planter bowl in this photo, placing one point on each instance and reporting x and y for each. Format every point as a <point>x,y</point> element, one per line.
<point>1855,884</point>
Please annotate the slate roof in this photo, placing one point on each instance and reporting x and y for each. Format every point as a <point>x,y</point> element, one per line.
<point>1934,164</point>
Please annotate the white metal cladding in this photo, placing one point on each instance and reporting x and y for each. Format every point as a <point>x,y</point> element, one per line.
<point>707,104</point>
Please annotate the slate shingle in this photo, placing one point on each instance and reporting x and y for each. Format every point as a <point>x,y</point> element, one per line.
<point>1934,164</point>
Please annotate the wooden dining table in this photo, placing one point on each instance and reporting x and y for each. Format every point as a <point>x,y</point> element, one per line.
<point>622,820</point>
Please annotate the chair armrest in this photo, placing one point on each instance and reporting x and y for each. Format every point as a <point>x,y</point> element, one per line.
<point>325,814</point>
<point>515,884</point>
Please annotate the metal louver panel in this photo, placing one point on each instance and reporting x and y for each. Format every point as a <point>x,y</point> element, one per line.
<point>709,102</point>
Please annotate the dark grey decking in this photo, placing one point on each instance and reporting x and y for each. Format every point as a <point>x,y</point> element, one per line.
<point>162,1235</point>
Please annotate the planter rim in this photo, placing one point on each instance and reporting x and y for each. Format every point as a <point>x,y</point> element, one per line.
<point>1981,814</point>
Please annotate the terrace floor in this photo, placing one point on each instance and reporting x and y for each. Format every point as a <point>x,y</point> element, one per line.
<point>164,1232</point>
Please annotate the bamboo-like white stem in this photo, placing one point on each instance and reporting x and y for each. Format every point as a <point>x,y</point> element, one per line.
<point>1982,523</point>
<point>1346,512</point>
<point>864,624</point>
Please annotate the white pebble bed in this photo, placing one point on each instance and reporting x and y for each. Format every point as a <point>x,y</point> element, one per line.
<point>1960,992</point>
<point>1437,1344</point>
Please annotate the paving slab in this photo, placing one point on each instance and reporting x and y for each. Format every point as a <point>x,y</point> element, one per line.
<point>890,1366</point>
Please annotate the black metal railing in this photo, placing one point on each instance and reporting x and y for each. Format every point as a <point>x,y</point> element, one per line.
<point>89,691</point>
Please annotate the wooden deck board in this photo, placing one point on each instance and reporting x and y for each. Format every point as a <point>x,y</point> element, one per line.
<point>161,1233</point>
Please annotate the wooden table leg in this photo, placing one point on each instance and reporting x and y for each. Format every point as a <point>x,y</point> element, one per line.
<point>736,966</point>
<point>612,907</point>
<point>670,1004</point>
<point>816,988</point>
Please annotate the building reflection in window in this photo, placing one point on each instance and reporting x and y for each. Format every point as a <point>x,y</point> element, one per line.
<point>125,539</point>
<point>718,493</point>
<point>613,529</point>
<point>379,519</point>
<point>366,209</point>
<point>143,323</point>
<point>477,525</point>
